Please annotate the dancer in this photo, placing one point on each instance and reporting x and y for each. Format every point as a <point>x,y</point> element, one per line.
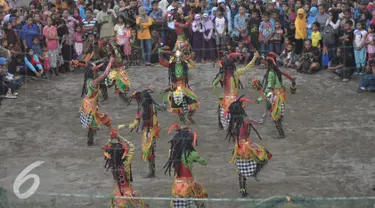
<point>90,115</point>
<point>273,90</point>
<point>118,154</point>
<point>182,155</point>
<point>147,120</point>
<point>182,43</point>
<point>229,78</point>
<point>181,98</point>
<point>118,75</point>
<point>248,156</point>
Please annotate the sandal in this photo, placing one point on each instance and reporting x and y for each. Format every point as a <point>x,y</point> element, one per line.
<point>149,64</point>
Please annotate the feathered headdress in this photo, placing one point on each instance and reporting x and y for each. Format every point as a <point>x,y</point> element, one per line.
<point>178,129</point>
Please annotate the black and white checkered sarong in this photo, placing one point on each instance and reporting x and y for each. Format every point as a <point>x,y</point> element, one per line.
<point>246,167</point>
<point>224,121</point>
<point>180,203</point>
<point>86,120</point>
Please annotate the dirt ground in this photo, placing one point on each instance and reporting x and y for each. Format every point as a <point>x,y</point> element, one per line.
<point>328,151</point>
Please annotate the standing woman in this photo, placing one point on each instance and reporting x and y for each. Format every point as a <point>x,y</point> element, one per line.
<point>301,30</point>
<point>52,41</point>
<point>143,34</point>
<point>209,46</point>
<point>68,42</point>
<point>198,39</point>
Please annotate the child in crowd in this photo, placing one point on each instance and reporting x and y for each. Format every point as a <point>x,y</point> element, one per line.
<point>253,27</point>
<point>245,55</point>
<point>120,33</point>
<point>287,58</point>
<point>46,63</point>
<point>33,64</point>
<point>316,37</point>
<point>36,48</point>
<point>359,49</point>
<point>78,40</point>
<point>265,34</point>
<point>369,42</point>
<point>277,37</point>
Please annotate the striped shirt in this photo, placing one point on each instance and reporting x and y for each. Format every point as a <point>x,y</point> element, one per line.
<point>90,25</point>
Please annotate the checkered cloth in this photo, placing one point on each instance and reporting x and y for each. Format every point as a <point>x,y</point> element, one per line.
<point>224,121</point>
<point>85,119</point>
<point>246,167</point>
<point>179,203</point>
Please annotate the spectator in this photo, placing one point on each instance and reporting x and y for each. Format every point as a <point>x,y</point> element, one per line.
<point>78,41</point>
<point>369,43</point>
<point>309,61</point>
<point>301,32</point>
<point>367,82</point>
<point>316,37</point>
<point>253,27</point>
<point>287,58</point>
<point>346,38</point>
<point>198,39</point>
<point>341,66</point>
<point>359,49</point>
<point>37,49</point>
<point>172,36</point>
<point>321,18</point>
<point>122,36</point>
<point>220,25</point>
<point>50,33</point>
<point>265,34</point>
<point>240,24</point>
<point>159,20</point>
<point>89,24</point>
<point>277,37</point>
<point>209,46</point>
<point>28,32</point>
<point>311,20</point>
<point>105,19</point>
<point>33,66</point>
<point>6,87</point>
<point>144,22</point>
<point>77,16</point>
<point>227,14</point>
<point>12,37</point>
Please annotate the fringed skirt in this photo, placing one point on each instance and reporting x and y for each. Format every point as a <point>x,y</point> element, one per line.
<point>127,202</point>
<point>250,158</point>
<point>182,101</point>
<point>277,101</point>
<point>223,106</point>
<point>121,78</point>
<point>183,189</point>
<point>149,142</point>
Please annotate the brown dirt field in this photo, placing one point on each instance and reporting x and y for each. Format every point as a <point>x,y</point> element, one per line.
<point>328,151</point>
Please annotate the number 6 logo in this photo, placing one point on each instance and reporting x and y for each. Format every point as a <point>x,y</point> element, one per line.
<point>23,177</point>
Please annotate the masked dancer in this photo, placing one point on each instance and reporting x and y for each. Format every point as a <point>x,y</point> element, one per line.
<point>118,76</point>
<point>147,121</point>
<point>182,155</point>
<point>248,156</point>
<point>273,91</point>
<point>229,78</point>
<point>90,115</point>
<point>118,154</point>
<point>181,98</point>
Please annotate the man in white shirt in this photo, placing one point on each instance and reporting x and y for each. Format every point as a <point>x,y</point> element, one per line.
<point>171,11</point>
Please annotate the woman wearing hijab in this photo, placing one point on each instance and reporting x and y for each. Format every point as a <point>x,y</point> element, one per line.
<point>209,46</point>
<point>198,32</point>
<point>301,32</point>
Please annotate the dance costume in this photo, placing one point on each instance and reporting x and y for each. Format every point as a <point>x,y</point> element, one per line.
<point>90,115</point>
<point>248,156</point>
<point>181,98</point>
<point>118,153</point>
<point>229,78</point>
<point>118,75</point>
<point>274,92</point>
<point>182,155</point>
<point>147,120</point>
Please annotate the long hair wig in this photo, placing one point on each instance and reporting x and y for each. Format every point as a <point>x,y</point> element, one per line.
<point>115,163</point>
<point>181,146</point>
<point>227,65</point>
<point>271,67</point>
<point>145,103</point>
<point>89,74</point>
<point>237,115</point>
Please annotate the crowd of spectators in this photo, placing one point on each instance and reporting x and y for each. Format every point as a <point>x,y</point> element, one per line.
<point>40,40</point>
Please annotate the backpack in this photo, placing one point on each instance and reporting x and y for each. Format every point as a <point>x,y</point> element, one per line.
<point>329,35</point>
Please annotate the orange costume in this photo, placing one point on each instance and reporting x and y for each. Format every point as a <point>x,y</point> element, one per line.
<point>229,78</point>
